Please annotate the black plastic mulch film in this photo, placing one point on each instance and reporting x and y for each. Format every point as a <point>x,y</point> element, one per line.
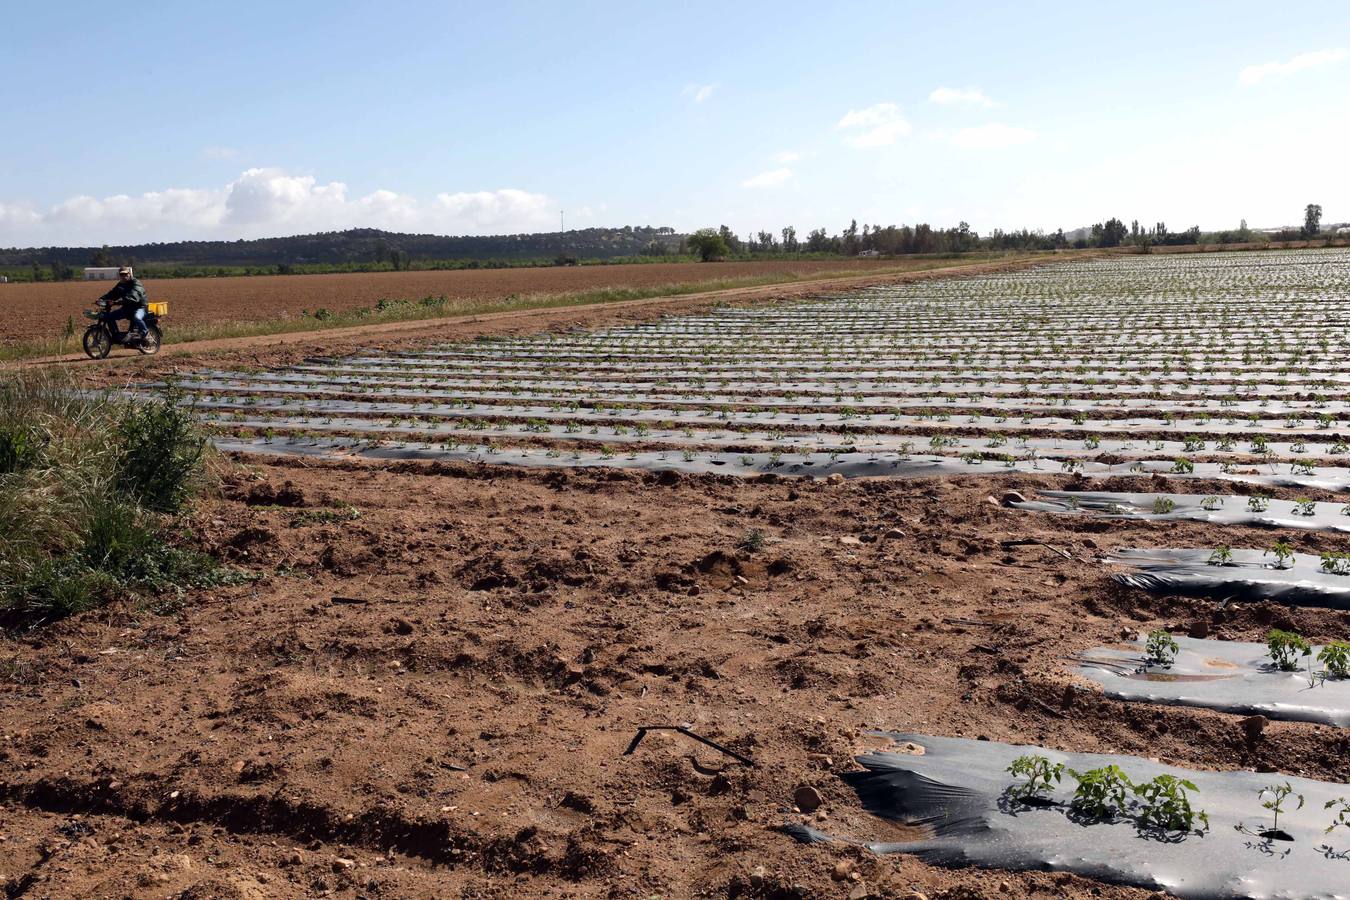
<point>1230,676</point>
<point>1249,576</point>
<point>955,792</point>
<point>1222,510</point>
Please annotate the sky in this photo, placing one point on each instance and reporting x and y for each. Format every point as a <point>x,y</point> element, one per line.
<point>210,120</point>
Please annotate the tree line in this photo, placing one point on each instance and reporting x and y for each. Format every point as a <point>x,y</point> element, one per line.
<point>373,250</point>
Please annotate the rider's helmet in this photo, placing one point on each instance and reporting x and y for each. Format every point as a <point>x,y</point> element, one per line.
<point>124,272</point>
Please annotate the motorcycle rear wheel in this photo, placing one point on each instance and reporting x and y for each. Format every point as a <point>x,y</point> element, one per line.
<point>97,342</point>
<point>149,345</point>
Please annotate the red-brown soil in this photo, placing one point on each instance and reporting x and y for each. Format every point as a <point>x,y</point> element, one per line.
<point>40,310</point>
<point>288,348</point>
<point>433,699</point>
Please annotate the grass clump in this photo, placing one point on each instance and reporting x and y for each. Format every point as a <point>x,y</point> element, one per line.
<point>90,486</point>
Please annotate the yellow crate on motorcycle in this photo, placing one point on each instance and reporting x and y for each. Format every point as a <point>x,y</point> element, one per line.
<point>158,309</point>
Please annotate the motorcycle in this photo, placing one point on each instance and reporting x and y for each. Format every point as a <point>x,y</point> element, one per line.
<point>103,334</point>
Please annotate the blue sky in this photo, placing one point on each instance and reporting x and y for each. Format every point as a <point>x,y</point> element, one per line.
<point>159,121</point>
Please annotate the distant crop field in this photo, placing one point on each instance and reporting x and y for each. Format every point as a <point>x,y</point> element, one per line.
<point>40,311</point>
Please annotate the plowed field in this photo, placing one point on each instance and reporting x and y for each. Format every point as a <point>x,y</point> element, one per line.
<point>38,311</point>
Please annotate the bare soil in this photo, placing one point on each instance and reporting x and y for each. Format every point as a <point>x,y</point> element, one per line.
<point>434,698</point>
<point>40,310</point>
<point>288,348</point>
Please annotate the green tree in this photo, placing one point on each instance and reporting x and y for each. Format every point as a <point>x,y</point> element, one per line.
<point>708,244</point>
<point>1312,220</point>
<point>729,238</point>
<point>102,257</point>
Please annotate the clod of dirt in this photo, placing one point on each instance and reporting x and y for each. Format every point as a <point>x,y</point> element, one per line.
<point>270,495</point>
<point>807,799</point>
<point>248,541</point>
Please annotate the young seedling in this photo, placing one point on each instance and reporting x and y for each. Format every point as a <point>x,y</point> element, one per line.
<point>1211,503</point>
<point>1335,656</point>
<point>1101,793</point>
<point>1160,648</point>
<point>1167,805</point>
<point>1258,503</point>
<point>753,541</point>
<point>1163,505</point>
<point>1305,507</point>
<point>1182,466</point>
<point>1285,648</point>
<point>1282,552</point>
<point>1336,563</point>
<point>1342,815</point>
<point>1222,556</point>
<point>1273,798</point>
<point>1041,775</point>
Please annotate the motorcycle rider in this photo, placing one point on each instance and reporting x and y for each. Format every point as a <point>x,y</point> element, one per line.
<point>131,295</point>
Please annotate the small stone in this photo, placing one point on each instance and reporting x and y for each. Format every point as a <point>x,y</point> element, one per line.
<point>842,870</point>
<point>859,892</point>
<point>1004,887</point>
<point>1199,629</point>
<point>757,875</point>
<point>1011,497</point>
<point>294,858</point>
<point>341,864</point>
<point>807,798</point>
<point>835,478</point>
<point>892,534</point>
<point>1253,726</point>
<point>915,895</point>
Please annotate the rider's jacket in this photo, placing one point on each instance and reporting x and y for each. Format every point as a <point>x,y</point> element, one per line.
<point>129,293</point>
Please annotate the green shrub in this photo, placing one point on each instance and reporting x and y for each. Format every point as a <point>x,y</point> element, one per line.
<point>88,490</point>
<point>161,452</point>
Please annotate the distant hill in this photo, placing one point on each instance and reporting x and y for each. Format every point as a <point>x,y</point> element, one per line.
<point>359,245</point>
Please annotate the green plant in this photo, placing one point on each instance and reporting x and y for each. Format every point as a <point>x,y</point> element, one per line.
<point>1166,805</point>
<point>1222,556</point>
<point>1258,503</point>
<point>1335,656</point>
<point>1342,815</point>
<point>1163,505</point>
<point>1335,563</point>
<point>1160,648</point>
<point>1282,552</point>
<point>1101,793</point>
<point>1182,466</point>
<point>1211,503</point>
<point>1285,648</point>
<point>1305,507</point>
<point>160,455</point>
<point>1272,798</point>
<point>753,541</point>
<point>1041,775</point>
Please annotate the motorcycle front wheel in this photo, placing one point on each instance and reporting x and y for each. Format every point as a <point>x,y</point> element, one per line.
<point>97,342</point>
<point>149,344</point>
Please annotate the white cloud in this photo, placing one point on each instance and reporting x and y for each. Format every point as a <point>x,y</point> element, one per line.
<point>699,92</point>
<point>993,136</point>
<point>875,126</point>
<point>770,179</point>
<point>970,96</point>
<point>787,156</point>
<point>265,203</point>
<point>1314,60</point>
